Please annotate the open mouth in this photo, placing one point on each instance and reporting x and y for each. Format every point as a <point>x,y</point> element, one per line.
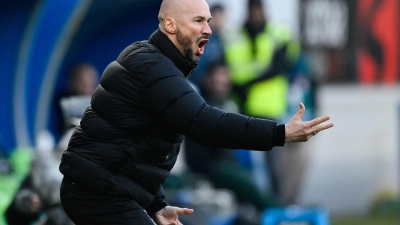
<point>201,45</point>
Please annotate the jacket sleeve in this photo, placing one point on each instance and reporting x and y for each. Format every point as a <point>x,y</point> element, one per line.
<point>172,100</point>
<point>157,204</point>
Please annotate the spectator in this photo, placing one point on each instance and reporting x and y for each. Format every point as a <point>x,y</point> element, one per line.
<point>82,80</point>
<point>37,200</point>
<point>260,56</point>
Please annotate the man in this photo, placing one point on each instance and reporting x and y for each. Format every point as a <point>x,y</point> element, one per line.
<point>260,55</point>
<point>129,138</point>
<point>82,81</point>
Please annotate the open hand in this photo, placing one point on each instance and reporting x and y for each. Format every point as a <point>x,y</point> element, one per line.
<point>298,131</point>
<point>169,215</point>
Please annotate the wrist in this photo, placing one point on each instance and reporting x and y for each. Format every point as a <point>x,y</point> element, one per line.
<point>279,136</point>
<point>155,207</point>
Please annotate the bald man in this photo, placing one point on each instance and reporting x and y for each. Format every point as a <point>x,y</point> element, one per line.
<point>129,137</point>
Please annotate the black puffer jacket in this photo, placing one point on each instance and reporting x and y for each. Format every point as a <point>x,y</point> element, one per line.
<point>129,137</point>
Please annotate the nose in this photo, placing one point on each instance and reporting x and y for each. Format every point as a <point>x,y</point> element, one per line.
<point>206,30</point>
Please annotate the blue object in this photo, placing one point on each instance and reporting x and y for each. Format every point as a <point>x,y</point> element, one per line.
<point>42,39</point>
<point>244,158</point>
<point>221,220</point>
<point>295,216</point>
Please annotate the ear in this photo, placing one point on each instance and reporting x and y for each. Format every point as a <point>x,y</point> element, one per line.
<point>170,25</point>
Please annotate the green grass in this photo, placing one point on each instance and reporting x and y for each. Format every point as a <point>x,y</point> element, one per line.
<point>385,210</point>
<point>384,213</point>
<point>369,220</point>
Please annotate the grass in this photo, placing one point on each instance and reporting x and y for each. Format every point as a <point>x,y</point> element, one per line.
<point>391,219</point>
<point>385,212</point>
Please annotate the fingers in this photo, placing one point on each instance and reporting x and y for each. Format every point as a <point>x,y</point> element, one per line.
<point>317,121</point>
<point>317,126</point>
<point>322,127</point>
<point>300,112</point>
<point>184,211</point>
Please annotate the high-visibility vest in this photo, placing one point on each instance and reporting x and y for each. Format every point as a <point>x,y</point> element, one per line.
<point>265,98</point>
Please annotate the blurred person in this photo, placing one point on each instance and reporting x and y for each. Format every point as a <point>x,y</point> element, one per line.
<point>82,81</point>
<point>221,165</point>
<point>260,56</point>
<point>216,88</point>
<point>214,50</point>
<point>129,138</point>
<point>26,205</point>
<point>37,200</point>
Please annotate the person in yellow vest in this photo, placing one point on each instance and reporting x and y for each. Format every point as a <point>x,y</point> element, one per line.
<point>260,55</point>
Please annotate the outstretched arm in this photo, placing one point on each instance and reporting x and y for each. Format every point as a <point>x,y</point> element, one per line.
<point>299,131</point>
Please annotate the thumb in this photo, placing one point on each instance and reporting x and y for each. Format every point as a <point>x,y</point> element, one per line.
<point>185,211</point>
<point>300,112</point>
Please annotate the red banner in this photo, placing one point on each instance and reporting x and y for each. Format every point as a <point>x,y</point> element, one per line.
<point>377,41</point>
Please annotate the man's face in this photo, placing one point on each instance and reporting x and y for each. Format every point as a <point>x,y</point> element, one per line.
<point>257,16</point>
<point>193,30</point>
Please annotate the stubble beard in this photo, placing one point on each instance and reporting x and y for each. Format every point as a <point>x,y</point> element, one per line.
<point>186,44</point>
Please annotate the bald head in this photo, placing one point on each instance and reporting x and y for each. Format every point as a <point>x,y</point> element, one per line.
<point>172,8</point>
<point>185,22</point>
<point>178,10</point>
<point>169,8</point>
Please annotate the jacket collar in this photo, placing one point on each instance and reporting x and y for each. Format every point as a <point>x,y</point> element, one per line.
<point>159,39</point>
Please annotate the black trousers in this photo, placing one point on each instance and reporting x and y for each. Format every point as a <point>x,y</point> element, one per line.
<point>85,207</point>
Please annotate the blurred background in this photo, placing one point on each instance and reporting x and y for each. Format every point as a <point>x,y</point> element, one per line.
<point>347,66</point>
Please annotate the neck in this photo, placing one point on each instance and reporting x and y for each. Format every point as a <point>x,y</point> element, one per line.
<point>171,37</point>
